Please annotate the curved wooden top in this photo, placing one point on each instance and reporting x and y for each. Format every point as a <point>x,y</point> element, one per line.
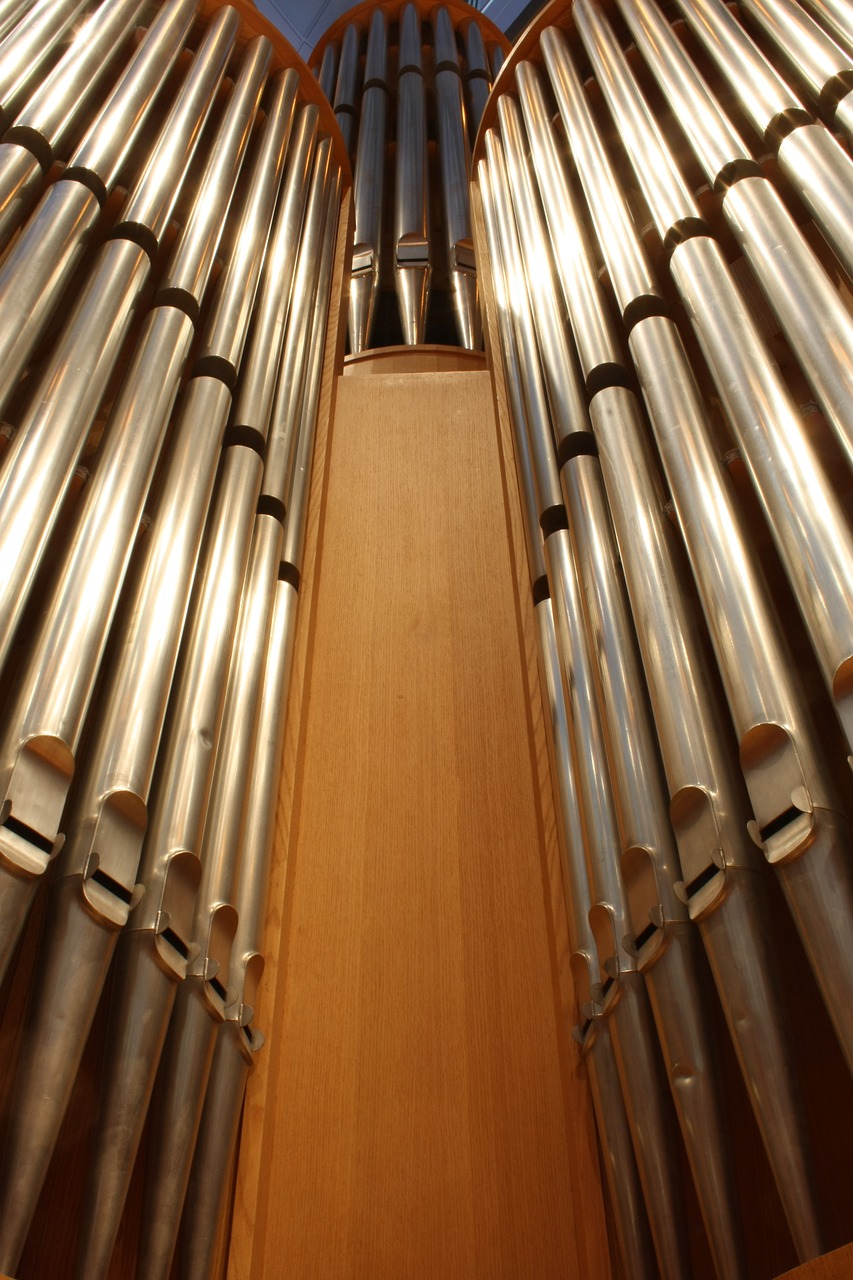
<point>461,14</point>
<point>253,23</point>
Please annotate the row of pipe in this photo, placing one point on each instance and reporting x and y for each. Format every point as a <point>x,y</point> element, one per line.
<point>435,87</point>
<point>168,296</point>
<point>653,611</point>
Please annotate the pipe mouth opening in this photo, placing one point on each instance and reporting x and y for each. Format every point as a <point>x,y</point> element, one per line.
<point>784,123</point>
<point>685,229</point>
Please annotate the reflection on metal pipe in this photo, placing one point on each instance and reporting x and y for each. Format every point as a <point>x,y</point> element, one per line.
<point>411,189</point>
<point>26,50</point>
<point>347,85</point>
<point>367,187</point>
<point>56,108</point>
<point>455,157</point>
<point>632,1233</point>
<point>819,169</point>
<point>327,73</point>
<point>477,77</point>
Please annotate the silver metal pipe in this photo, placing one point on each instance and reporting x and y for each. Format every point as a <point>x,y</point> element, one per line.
<point>813,316</point>
<point>478,77</point>
<point>598,347</point>
<point>227,327</point>
<point>107,142</point>
<point>256,387</point>
<point>52,695</point>
<point>455,159</point>
<point>39,461</point>
<point>818,167</point>
<point>346,88</point>
<point>39,265</point>
<point>709,810</point>
<point>219,1122</point>
<point>549,498</point>
<point>327,73</point>
<point>368,178</point>
<point>826,69</point>
<point>630,273</point>
<point>157,946</point>
<point>836,16</point>
<point>149,205</point>
<point>284,418</point>
<point>566,401</point>
<point>411,189</point>
<point>60,103</point>
<point>184,281</point>
<point>809,528</point>
<point>206,1202</point>
<point>632,1234</point>
<point>28,47</point>
<point>201,1000</point>
<point>295,530</point>
<point>11,13</point>
<point>624,1002</point>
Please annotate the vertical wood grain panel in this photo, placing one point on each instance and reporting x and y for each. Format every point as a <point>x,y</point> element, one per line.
<point>416,1119</point>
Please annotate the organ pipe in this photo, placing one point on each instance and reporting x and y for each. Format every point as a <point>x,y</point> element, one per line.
<point>165,373</point>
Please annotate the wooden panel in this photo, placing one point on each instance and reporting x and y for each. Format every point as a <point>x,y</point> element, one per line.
<point>416,1118</point>
<point>420,359</point>
<point>832,1266</point>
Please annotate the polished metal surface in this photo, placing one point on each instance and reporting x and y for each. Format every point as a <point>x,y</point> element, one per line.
<point>57,107</point>
<point>566,399</point>
<point>226,331</point>
<point>40,459</point>
<point>346,88</point>
<point>411,188</point>
<point>629,272</point>
<point>328,73</point>
<point>256,386</point>
<point>117,126</point>
<point>836,16</point>
<point>669,198</point>
<point>507,353</point>
<point>455,158</point>
<point>206,1206</point>
<point>152,198</point>
<point>821,172</point>
<point>808,526</point>
<point>549,498</point>
<point>633,1238</point>
<point>477,77</point>
<point>300,482</point>
<point>25,51</point>
<point>760,90</point>
<point>368,179</point>
<point>592,327</point>
<point>282,435</point>
<point>814,54</point>
<point>188,269</point>
<point>709,809</point>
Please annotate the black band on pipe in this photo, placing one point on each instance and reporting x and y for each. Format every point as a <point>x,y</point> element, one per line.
<point>375,84</point>
<point>552,519</point>
<point>216,367</point>
<point>541,590</point>
<point>783,124</point>
<point>409,67</point>
<point>181,300</point>
<point>578,444</point>
<point>288,572</point>
<point>477,74</point>
<point>685,229</point>
<point>830,95</point>
<point>138,234</point>
<point>245,438</point>
<point>86,178</point>
<point>608,374</point>
<point>269,505</point>
<point>34,142</point>
<point>643,308</point>
<point>734,171</point>
<point>447,66</point>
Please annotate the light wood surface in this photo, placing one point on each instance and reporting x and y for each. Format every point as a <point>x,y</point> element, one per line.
<point>422,1116</point>
<point>421,359</point>
<point>832,1266</point>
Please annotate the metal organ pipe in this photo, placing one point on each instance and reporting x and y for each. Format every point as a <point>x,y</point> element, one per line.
<point>119,608</point>
<point>768,787</point>
<point>411,190</point>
